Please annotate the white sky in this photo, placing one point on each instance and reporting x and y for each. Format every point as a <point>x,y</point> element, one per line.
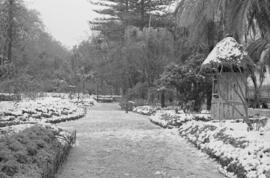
<point>65,20</point>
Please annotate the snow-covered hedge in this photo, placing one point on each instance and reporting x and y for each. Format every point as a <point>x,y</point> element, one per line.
<point>246,154</point>
<point>9,97</point>
<point>145,110</point>
<point>169,119</point>
<point>48,110</point>
<point>33,150</point>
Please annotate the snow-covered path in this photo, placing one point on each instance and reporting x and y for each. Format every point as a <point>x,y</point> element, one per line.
<point>113,144</point>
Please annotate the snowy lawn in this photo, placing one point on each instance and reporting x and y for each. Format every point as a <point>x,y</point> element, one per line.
<point>243,153</point>
<point>42,110</point>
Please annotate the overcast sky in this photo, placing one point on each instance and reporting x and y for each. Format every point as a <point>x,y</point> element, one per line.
<point>66,20</point>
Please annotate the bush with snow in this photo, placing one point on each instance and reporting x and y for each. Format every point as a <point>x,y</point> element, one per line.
<point>169,119</point>
<point>246,154</point>
<point>48,109</point>
<point>145,110</point>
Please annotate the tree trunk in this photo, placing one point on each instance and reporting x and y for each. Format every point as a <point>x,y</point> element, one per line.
<point>142,13</point>
<point>127,6</point>
<point>162,99</point>
<point>256,91</point>
<point>10,30</point>
<point>208,100</point>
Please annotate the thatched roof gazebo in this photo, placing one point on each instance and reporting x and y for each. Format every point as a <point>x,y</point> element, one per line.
<point>227,55</point>
<point>229,64</point>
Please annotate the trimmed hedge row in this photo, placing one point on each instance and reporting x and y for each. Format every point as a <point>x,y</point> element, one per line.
<point>55,121</point>
<point>37,151</point>
<point>12,97</point>
<point>234,152</point>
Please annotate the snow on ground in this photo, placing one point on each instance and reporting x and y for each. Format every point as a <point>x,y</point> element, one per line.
<point>50,109</point>
<point>140,148</point>
<point>145,110</point>
<point>169,118</point>
<point>239,151</point>
<point>244,153</point>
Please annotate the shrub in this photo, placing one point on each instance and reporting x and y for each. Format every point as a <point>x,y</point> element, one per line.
<point>14,145</point>
<point>30,153</point>
<point>2,175</point>
<point>10,168</point>
<point>5,154</point>
<point>21,157</point>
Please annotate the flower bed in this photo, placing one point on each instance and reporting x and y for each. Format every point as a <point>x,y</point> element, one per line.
<point>33,150</point>
<point>169,119</point>
<point>48,110</point>
<point>246,154</point>
<point>9,97</point>
<point>145,110</point>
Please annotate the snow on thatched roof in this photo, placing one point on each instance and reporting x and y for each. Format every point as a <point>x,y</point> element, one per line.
<point>228,53</point>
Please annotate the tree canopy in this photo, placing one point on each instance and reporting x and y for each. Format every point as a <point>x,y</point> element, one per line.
<point>31,59</point>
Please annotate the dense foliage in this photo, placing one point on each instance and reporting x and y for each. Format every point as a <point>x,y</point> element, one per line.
<point>138,48</point>
<point>131,49</point>
<point>36,151</point>
<point>208,21</point>
<point>31,60</point>
<point>190,83</point>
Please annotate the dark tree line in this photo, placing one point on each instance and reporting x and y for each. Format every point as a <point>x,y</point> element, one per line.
<point>138,40</point>
<point>140,46</point>
<point>31,59</point>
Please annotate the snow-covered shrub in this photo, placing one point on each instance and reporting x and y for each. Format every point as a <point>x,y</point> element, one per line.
<point>145,110</point>
<point>202,117</point>
<point>205,112</point>
<point>169,119</point>
<point>47,109</point>
<point>246,154</point>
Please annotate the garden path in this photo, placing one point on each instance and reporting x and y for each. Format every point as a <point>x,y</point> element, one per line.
<point>114,144</point>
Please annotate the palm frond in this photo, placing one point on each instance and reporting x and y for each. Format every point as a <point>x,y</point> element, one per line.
<point>256,48</point>
<point>261,12</point>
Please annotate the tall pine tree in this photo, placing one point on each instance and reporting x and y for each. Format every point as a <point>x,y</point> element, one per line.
<point>121,13</point>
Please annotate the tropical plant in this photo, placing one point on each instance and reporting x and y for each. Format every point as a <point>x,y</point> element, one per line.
<point>238,18</point>
<point>189,82</point>
<point>208,21</point>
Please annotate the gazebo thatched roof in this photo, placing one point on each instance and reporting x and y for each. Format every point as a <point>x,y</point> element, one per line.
<point>227,55</point>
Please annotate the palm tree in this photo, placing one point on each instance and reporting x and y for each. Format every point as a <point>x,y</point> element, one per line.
<point>248,21</point>
<point>233,16</point>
